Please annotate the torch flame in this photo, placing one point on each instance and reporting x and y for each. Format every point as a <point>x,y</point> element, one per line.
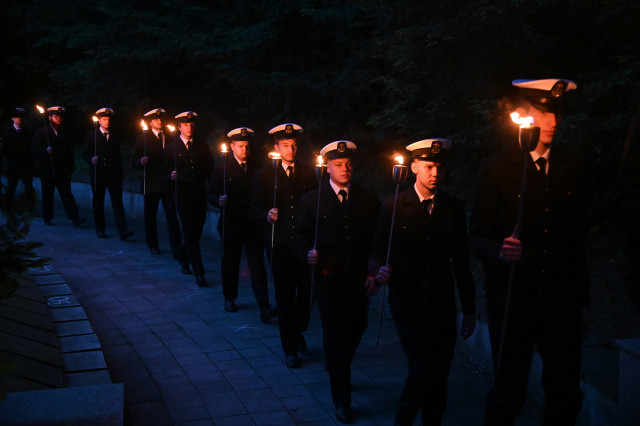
<point>171,128</point>
<point>274,155</point>
<point>320,161</point>
<point>399,159</point>
<point>144,125</point>
<point>95,119</point>
<point>224,148</point>
<point>40,109</point>
<point>522,121</point>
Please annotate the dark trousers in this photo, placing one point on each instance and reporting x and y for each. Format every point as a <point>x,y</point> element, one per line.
<point>151,202</point>
<point>557,338</point>
<point>63,184</point>
<point>428,341</point>
<point>234,240</point>
<point>192,210</point>
<point>291,281</point>
<point>12,184</point>
<point>344,319</point>
<point>114,186</point>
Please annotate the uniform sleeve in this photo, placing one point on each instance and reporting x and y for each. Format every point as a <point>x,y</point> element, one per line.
<point>305,227</point>
<point>460,263</point>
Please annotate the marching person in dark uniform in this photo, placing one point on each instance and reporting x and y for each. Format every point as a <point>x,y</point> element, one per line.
<point>347,220</point>
<point>290,276</point>
<point>54,162</point>
<point>16,152</point>
<point>429,258</point>
<point>190,163</point>
<point>236,226</point>
<point>148,157</point>
<point>548,307</point>
<point>102,154</point>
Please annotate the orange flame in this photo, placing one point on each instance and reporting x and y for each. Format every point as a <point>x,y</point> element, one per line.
<point>40,109</point>
<point>320,161</point>
<point>171,128</point>
<point>399,159</point>
<point>144,125</point>
<point>274,155</point>
<point>95,119</point>
<point>522,121</point>
<point>223,148</point>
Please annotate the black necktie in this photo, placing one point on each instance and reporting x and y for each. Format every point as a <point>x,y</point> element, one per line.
<point>542,164</point>
<point>343,195</point>
<point>243,166</point>
<point>161,137</point>
<point>188,145</point>
<point>106,135</point>
<point>426,204</point>
<point>290,171</point>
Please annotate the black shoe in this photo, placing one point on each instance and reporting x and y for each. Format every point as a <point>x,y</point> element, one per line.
<point>201,281</point>
<point>266,313</point>
<point>125,235</point>
<point>230,306</point>
<point>101,234</point>
<point>154,250</point>
<point>344,413</point>
<point>185,267</point>
<point>48,223</point>
<point>292,361</point>
<point>302,344</point>
<point>79,221</point>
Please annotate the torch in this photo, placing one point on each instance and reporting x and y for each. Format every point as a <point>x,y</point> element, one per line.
<point>276,160</point>
<point>95,151</point>
<point>144,170</point>
<point>400,172</point>
<point>528,136</point>
<point>224,151</point>
<point>46,133</point>
<point>320,168</point>
<point>175,166</point>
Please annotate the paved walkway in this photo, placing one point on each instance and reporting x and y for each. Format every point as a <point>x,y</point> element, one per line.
<point>185,361</point>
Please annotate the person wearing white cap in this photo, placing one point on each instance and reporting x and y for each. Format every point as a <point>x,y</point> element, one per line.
<point>15,151</point>
<point>347,219</point>
<point>102,153</point>
<point>148,157</point>
<point>540,264</point>
<point>54,161</point>
<point>290,276</point>
<point>428,261</point>
<point>236,226</point>
<point>189,164</point>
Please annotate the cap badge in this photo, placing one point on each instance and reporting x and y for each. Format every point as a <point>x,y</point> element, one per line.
<point>189,115</point>
<point>342,147</point>
<point>436,147</point>
<point>558,89</point>
<point>243,132</point>
<point>288,128</point>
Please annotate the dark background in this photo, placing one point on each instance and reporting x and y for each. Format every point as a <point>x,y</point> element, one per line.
<point>381,73</point>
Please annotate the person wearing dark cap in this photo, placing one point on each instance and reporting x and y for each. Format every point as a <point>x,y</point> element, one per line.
<point>148,157</point>
<point>290,276</point>
<point>190,163</point>
<point>429,259</point>
<point>16,154</point>
<point>102,154</point>
<point>54,161</point>
<point>541,264</point>
<point>347,219</point>
<point>236,226</point>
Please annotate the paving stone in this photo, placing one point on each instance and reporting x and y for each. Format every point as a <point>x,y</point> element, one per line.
<point>47,279</point>
<point>87,378</point>
<point>68,314</point>
<point>55,290</point>
<point>84,342</point>
<point>82,361</point>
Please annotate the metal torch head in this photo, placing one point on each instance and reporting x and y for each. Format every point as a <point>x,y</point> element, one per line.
<point>529,138</point>
<point>400,173</point>
<point>276,160</point>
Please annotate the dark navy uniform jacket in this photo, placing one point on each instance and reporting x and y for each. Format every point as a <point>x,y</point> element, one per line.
<point>63,156</point>
<point>345,237</point>
<point>429,254</point>
<point>155,175</point>
<point>110,160</point>
<point>553,267</point>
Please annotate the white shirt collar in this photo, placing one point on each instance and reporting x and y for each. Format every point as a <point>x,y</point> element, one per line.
<point>420,197</point>
<point>337,189</point>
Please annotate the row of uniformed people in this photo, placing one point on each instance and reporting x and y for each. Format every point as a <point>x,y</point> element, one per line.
<point>428,257</point>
